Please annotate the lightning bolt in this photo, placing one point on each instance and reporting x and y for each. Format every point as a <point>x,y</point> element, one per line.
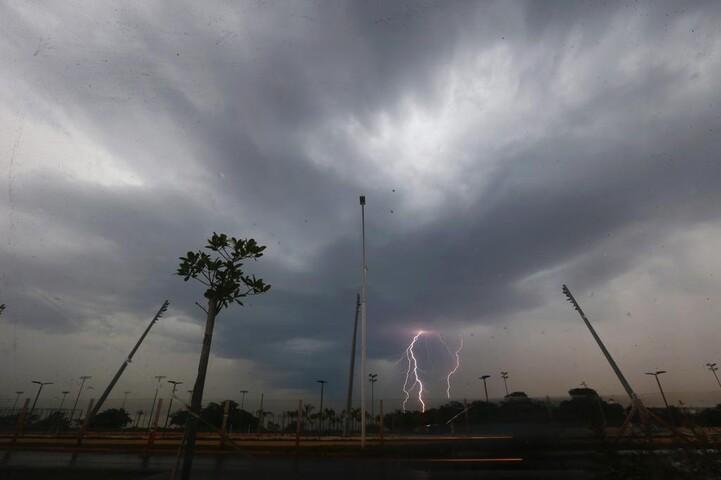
<point>413,366</point>
<point>455,369</point>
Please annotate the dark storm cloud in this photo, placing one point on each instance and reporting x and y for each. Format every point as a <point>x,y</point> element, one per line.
<point>230,104</point>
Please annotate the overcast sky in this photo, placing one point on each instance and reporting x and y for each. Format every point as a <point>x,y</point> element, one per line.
<point>504,148</point>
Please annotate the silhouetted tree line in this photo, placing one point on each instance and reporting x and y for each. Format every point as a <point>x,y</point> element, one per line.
<point>584,408</point>
<point>238,420</point>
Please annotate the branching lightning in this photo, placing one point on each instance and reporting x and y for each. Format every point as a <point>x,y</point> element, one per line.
<point>413,366</point>
<point>457,354</point>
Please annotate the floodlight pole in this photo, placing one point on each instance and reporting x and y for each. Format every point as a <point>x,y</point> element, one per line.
<point>127,361</point>
<point>364,300</point>
<point>626,386</point>
<point>637,406</point>
<point>242,398</point>
<point>504,376</point>
<point>349,399</point>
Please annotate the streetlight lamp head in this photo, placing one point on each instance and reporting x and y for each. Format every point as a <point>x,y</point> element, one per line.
<point>659,372</point>
<point>362,199</point>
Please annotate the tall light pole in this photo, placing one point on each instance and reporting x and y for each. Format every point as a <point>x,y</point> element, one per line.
<point>80,390</point>
<point>152,408</point>
<point>372,379</point>
<point>713,368</point>
<point>170,403</point>
<point>504,376</point>
<point>364,300</point>
<point>37,395</point>
<point>62,401</point>
<point>320,412</point>
<point>125,399</point>
<point>242,399</point>
<point>485,387</point>
<point>18,393</point>
<point>349,397</point>
<point>660,389</point>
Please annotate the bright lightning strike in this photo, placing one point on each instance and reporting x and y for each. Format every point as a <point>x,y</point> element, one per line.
<point>413,366</point>
<point>455,369</point>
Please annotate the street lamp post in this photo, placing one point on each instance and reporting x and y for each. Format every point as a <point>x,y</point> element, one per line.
<point>170,403</point>
<point>485,387</point>
<point>373,378</point>
<point>15,403</point>
<point>363,311</point>
<point>320,412</point>
<point>504,376</point>
<point>62,401</point>
<point>660,389</point>
<point>713,368</point>
<point>125,399</point>
<point>80,390</point>
<point>242,399</point>
<point>152,408</point>
<point>37,395</point>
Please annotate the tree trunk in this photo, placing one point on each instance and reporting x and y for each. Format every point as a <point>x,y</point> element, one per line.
<point>191,426</point>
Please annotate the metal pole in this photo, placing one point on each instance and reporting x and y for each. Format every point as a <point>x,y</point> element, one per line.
<point>152,408</point>
<point>80,390</point>
<point>485,387</point>
<point>713,368</point>
<point>372,381</point>
<point>242,399</point>
<point>15,403</point>
<point>364,326</point>
<point>261,414</point>
<point>62,401</point>
<point>349,400</point>
<point>170,403</point>
<point>380,405</point>
<point>320,413</point>
<point>632,395</point>
<point>37,395</point>
<point>127,361</point>
<point>504,376</point>
<point>660,389</point>
<point>298,419</point>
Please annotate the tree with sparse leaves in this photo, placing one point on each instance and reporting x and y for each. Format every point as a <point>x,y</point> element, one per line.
<point>220,269</point>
